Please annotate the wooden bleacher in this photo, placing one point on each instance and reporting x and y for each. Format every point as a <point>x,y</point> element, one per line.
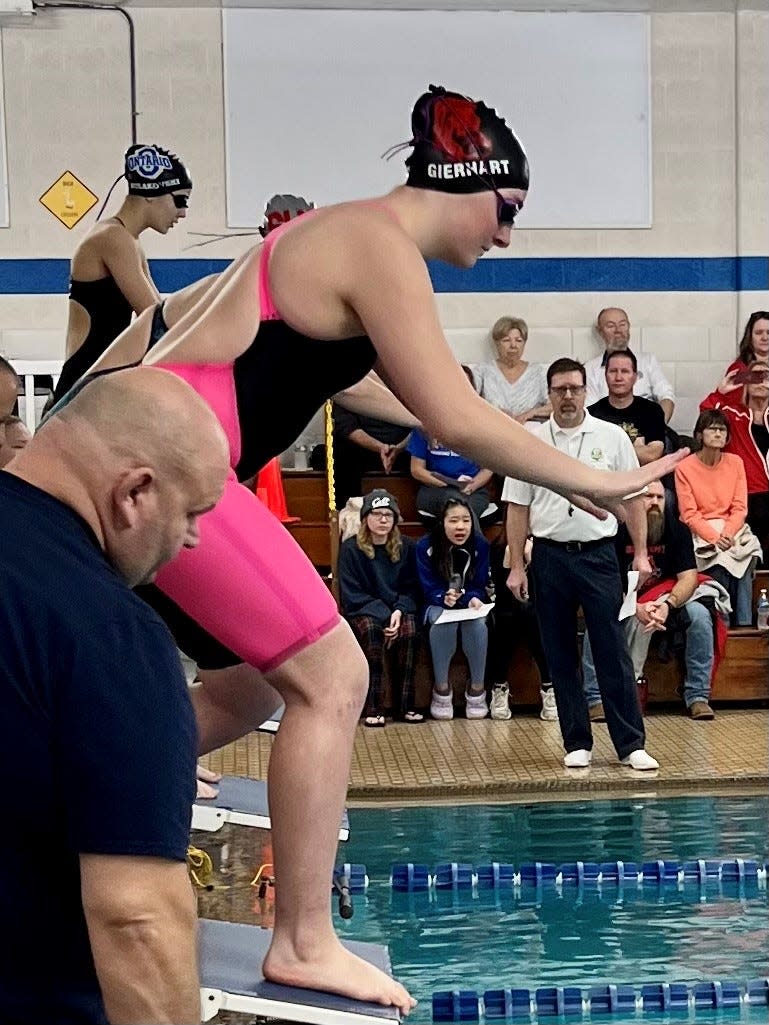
<point>743,675</point>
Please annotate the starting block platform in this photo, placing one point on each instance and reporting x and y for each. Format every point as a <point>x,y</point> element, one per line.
<point>271,725</point>
<point>231,979</point>
<point>241,802</point>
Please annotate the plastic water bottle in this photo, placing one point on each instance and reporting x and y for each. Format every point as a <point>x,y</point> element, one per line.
<point>301,457</point>
<point>762,611</point>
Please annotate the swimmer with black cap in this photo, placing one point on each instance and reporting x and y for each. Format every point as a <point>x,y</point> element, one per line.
<point>110,278</point>
<point>341,290</point>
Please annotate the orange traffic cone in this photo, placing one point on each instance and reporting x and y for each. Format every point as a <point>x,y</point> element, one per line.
<point>269,489</point>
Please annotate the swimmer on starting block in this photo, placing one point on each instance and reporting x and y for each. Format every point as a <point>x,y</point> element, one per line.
<point>219,667</point>
<point>338,292</point>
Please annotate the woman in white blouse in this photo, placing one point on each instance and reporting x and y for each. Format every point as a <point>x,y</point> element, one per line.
<point>510,383</point>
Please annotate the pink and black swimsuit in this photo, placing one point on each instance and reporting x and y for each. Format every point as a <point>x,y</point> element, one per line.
<point>248,593</point>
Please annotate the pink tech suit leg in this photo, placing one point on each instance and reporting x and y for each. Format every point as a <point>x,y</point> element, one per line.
<point>249,584</point>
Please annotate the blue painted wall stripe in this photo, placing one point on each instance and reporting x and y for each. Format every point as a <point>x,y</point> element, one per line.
<point>618,274</point>
<point>572,274</point>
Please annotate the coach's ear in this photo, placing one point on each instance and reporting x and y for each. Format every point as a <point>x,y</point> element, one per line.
<point>134,498</point>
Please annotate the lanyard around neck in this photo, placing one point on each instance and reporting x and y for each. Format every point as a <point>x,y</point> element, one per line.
<point>579,453</point>
<point>581,442</point>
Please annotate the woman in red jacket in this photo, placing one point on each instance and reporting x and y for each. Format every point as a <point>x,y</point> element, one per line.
<point>754,345</point>
<point>749,437</point>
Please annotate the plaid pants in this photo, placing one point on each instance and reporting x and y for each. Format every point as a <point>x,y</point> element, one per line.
<point>403,659</point>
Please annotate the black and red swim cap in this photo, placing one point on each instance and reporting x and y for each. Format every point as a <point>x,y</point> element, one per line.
<point>461,145</point>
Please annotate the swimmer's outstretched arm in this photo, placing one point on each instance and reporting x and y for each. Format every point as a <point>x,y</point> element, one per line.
<point>372,397</point>
<point>390,290</point>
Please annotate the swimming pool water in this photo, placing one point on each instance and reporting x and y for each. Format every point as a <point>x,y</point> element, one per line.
<point>590,936</point>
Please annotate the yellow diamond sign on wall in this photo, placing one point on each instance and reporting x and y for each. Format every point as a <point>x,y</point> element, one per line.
<point>68,199</point>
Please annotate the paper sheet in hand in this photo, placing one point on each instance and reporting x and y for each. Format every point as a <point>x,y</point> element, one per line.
<point>455,615</point>
<point>629,604</point>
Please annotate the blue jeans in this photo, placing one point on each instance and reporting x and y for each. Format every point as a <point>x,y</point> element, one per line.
<point>740,593</point>
<point>564,581</point>
<point>699,655</point>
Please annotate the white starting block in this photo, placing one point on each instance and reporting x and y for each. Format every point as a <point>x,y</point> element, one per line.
<point>241,802</point>
<point>231,979</point>
<point>271,725</point>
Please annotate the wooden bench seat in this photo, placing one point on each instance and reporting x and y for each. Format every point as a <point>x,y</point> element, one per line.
<point>742,676</point>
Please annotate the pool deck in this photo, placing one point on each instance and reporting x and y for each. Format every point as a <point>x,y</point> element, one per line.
<point>521,759</point>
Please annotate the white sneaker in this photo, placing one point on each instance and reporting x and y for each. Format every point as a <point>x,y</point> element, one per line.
<point>640,761</point>
<point>549,708</point>
<point>579,759</point>
<point>500,705</point>
<point>476,706</point>
<point>442,705</point>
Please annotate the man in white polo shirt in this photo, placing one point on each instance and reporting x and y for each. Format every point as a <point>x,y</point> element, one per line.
<point>613,326</point>
<point>574,564</point>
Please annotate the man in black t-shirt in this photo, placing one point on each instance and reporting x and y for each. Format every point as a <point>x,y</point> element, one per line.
<point>642,420</point>
<point>97,733</point>
<point>666,602</point>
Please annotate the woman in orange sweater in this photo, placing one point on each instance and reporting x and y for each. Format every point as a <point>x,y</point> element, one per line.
<point>713,503</point>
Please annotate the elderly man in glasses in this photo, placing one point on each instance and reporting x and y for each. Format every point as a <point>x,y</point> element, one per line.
<point>573,564</point>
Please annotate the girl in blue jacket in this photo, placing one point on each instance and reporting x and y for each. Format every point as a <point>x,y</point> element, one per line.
<point>453,566</point>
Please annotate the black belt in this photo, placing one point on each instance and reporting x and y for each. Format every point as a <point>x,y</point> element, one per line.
<point>574,546</point>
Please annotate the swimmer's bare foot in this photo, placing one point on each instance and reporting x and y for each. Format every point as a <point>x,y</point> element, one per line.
<point>336,970</point>
<point>206,776</point>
